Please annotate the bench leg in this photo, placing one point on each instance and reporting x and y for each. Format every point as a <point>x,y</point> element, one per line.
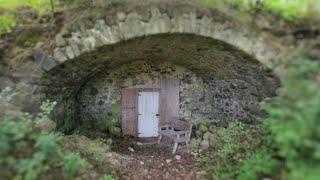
<point>159,139</point>
<point>175,147</point>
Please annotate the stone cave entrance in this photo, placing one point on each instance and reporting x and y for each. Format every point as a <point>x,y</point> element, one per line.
<point>199,80</point>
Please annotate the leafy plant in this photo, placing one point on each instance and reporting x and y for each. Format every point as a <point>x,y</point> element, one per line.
<point>242,156</point>
<point>28,152</point>
<point>294,120</point>
<point>107,177</point>
<point>73,162</point>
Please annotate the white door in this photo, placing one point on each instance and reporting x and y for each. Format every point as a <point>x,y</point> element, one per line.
<point>148,120</point>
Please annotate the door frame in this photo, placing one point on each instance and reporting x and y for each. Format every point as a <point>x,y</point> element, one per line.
<point>137,105</point>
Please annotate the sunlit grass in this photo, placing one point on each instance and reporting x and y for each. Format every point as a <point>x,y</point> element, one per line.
<point>288,9</point>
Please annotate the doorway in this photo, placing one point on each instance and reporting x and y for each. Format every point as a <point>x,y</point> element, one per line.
<point>148,108</point>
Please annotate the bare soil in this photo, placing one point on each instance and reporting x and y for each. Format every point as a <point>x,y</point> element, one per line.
<point>145,159</point>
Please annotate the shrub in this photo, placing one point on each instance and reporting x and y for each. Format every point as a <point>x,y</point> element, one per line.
<point>294,121</point>
<point>28,152</point>
<point>73,162</point>
<point>242,155</point>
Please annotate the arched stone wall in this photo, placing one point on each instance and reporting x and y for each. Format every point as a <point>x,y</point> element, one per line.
<point>86,33</point>
<point>222,51</point>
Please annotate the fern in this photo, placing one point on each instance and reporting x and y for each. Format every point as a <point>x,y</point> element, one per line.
<point>72,163</point>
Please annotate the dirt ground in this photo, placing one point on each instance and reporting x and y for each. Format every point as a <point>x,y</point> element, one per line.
<point>144,159</point>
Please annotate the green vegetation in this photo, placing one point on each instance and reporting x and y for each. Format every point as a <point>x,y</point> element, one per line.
<point>293,9</point>
<point>241,155</point>
<point>29,152</point>
<point>294,120</point>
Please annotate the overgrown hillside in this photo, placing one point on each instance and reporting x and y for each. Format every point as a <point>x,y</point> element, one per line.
<point>285,145</point>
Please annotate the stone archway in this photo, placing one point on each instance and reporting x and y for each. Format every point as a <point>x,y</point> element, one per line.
<point>216,47</point>
<point>86,33</point>
<point>230,83</point>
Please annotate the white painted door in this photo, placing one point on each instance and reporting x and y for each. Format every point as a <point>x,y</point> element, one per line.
<point>148,120</point>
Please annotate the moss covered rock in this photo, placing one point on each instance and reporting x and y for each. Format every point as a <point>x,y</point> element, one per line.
<point>204,145</point>
<point>194,143</point>
<point>203,128</point>
<point>207,135</point>
<point>199,133</point>
<point>114,130</point>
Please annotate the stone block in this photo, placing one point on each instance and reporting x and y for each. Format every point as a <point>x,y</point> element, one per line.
<point>69,52</point>
<point>45,62</point>
<point>132,27</point>
<point>59,55</point>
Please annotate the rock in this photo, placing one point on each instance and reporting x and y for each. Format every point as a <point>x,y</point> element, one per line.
<point>206,135</point>
<point>139,144</point>
<point>121,16</point>
<point>231,125</point>
<point>60,42</point>
<point>46,124</point>
<point>203,128</point>
<point>221,131</point>
<point>199,133</point>
<point>69,52</point>
<point>213,128</point>
<point>107,147</point>
<point>204,144</point>
<point>116,131</point>
<point>168,160</point>
<point>131,149</point>
<point>142,163</point>
<point>43,60</point>
<point>59,55</point>
<point>177,157</point>
<point>213,141</point>
<point>194,143</point>
<point>201,175</point>
<point>109,141</point>
<point>89,44</point>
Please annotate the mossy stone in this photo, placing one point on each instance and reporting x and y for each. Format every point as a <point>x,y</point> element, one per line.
<point>213,128</point>
<point>203,128</point>
<point>199,133</point>
<point>204,145</point>
<point>206,135</point>
<point>214,141</point>
<point>194,143</point>
<point>115,131</point>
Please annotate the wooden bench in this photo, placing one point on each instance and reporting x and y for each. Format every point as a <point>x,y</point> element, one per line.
<point>179,131</point>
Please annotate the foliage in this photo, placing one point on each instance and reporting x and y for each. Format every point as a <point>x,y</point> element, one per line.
<point>288,9</point>
<point>46,108</point>
<point>242,155</point>
<point>27,152</point>
<point>294,120</point>
<point>107,177</point>
<point>72,162</point>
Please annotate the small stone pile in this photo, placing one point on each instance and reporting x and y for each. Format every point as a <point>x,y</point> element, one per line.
<point>207,136</point>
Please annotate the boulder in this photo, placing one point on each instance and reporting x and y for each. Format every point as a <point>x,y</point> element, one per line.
<point>199,133</point>
<point>213,128</point>
<point>46,124</point>
<point>207,135</point>
<point>221,131</point>
<point>114,130</point>
<point>203,128</point>
<point>204,144</point>
<point>214,141</point>
<point>194,143</point>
